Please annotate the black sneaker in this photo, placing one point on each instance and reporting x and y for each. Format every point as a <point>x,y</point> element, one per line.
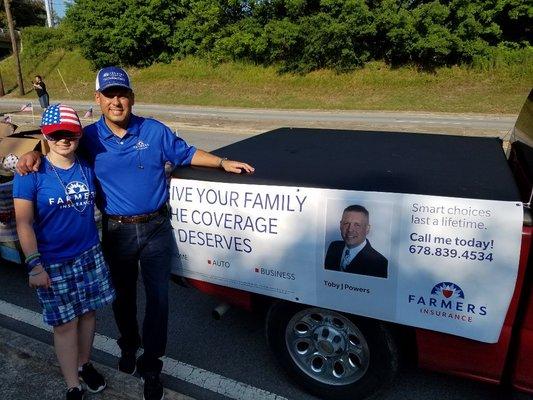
<point>128,362</point>
<point>94,381</point>
<point>153,390</point>
<point>75,394</point>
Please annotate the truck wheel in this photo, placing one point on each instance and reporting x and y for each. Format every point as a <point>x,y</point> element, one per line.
<point>332,355</point>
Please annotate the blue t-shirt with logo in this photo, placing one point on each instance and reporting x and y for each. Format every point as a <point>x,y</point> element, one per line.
<point>131,170</point>
<point>63,211</point>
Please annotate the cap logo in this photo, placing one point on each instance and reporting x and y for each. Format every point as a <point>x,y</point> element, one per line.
<point>112,76</point>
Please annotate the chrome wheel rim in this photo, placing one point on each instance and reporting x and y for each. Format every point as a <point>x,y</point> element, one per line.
<point>327,346</point>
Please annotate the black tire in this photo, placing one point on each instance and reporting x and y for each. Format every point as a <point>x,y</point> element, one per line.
<point>330,354</point>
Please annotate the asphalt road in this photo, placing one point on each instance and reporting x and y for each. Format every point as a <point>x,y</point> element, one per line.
<point>221,119</point>
<point>235,347</point>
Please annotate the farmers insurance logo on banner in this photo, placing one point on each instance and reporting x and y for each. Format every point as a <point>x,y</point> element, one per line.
<point>447,301</point>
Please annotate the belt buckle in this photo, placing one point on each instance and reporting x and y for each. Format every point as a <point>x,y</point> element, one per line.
<point>149,217</point>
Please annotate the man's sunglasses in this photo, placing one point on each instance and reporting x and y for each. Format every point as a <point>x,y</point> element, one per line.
<point>58,137</point>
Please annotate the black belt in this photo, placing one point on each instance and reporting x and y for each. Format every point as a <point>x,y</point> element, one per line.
<point>138,219</point>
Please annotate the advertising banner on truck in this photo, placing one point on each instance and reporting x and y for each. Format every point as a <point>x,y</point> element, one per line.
<point>441,263</point>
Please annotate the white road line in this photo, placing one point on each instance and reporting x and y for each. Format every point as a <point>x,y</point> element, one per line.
<point>188,373</point>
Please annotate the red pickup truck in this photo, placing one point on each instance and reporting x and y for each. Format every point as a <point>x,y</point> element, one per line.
<point>341,355</point>
<point>338,355</point>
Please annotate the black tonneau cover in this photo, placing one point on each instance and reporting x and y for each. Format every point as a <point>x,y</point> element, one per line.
<point>439,165</point>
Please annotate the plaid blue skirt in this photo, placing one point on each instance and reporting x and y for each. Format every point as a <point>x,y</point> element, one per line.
<point>78,286</point>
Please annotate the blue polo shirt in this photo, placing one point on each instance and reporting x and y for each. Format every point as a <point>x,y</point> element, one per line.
<point>131,170</point>
<point>64,210</point>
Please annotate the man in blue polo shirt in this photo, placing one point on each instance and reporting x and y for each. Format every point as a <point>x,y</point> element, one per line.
<point>129,154</point>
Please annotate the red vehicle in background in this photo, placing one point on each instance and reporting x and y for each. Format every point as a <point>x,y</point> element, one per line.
<point>310,342</point>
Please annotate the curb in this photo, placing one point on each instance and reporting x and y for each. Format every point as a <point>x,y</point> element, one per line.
<point>39,356</point>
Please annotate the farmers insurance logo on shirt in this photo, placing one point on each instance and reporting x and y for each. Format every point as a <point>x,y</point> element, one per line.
<point>447,300</point>
<point>77,193</point>
<point>141,145</point>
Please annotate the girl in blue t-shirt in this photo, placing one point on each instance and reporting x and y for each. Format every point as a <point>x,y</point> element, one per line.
<point>54,210</point>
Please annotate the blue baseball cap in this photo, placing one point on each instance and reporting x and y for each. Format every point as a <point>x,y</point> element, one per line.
<point>112,76</point>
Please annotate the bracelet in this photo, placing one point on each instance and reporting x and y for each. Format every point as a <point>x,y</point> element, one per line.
<point>221,161</point>
<point>32,256</point>
<point>33,263</point>
<point>36,273</point>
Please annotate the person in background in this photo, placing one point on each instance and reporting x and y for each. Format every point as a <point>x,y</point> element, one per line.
<point>40,89</point>
<point>129,154</point>
<point>54,211</point>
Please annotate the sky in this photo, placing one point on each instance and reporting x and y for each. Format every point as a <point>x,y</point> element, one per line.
<point>59,7</point>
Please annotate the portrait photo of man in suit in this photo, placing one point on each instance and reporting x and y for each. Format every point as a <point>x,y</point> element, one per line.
<point>354,254</point>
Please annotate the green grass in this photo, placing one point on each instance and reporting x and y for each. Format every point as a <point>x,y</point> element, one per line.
<point>499,88</point>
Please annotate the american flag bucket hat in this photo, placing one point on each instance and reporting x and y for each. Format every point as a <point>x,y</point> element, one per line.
<point>59,117</point>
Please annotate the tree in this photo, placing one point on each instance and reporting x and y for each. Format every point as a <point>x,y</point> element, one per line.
<point>206,21</point>
<point>25,13</point>
<point>123,32</point>
<point>299,35</point>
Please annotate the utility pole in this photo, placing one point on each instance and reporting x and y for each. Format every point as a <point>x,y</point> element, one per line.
<point>48,13</point>
<point>14,46</point>
<point>2,91</point>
